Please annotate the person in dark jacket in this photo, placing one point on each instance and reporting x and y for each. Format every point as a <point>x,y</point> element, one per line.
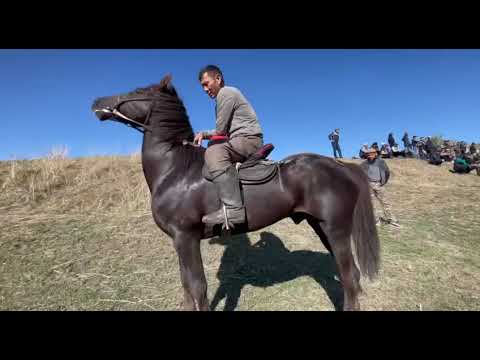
<point>435,158</point>
<point>334,138</point>
<point>414,144</point>
<point>406,142</point>
<point>378,175</point>
<point>391,140</point>
<point>429,146</point>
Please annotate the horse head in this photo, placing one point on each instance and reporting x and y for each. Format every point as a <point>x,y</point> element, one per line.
<point>134,106</point>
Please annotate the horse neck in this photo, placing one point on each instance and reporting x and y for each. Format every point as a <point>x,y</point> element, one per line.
<point>160,159</point>
<point>162,153</point>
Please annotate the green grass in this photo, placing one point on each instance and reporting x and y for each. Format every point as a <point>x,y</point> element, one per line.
<point>84,239</point>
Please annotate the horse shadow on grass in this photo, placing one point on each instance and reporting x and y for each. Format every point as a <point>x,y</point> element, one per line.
<point>269,262</point>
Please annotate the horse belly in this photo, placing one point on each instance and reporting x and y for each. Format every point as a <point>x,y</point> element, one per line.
<point>266,204</point>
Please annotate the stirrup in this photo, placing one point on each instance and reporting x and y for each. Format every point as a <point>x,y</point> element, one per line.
<point>226,224</point>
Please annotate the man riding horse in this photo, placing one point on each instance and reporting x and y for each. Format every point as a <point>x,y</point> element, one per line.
<point>237,136</point>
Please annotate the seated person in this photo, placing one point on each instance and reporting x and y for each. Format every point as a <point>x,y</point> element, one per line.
<point>386,151</point>
<point>362,153</point>
<point>435,158</point>
<point>464,164</point>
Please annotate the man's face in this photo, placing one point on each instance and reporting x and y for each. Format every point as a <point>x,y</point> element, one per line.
<point>211,84</point>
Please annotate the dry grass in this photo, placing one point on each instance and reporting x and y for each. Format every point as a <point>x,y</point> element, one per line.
<point>77,234</point>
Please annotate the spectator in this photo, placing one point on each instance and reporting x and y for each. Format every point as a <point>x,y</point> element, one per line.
<point>414,144</point>
<point>362,153</point>
<point>473,149</point>
<point>378,174</point>
<point>391,140</point>
<point>334,138</point>
<point>406,142</point>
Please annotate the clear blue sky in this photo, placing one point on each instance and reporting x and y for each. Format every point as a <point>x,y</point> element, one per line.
<point>299,95</point>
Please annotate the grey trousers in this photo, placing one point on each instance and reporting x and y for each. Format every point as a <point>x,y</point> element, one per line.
<point>219,157</point>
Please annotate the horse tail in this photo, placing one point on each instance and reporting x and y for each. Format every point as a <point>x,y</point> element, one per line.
<point>364,232</point>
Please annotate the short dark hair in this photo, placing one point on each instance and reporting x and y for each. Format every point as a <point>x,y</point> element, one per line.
<point>211,70</point>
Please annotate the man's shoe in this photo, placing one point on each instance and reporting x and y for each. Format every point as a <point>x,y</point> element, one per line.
<point>394,223</point>
<point>233,216</point>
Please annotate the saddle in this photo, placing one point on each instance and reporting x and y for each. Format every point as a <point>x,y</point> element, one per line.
<point>256,169</point>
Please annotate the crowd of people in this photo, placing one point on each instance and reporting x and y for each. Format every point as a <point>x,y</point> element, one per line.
<point>464,158</point>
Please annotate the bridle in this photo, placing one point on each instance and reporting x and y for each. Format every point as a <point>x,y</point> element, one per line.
<point>130,122</point>
<point>135,124</point>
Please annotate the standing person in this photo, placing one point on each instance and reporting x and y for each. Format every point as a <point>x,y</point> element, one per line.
<point>414,144</point>
<point>238,123</point>
<point>391,141</point>
<point>378,174</point>
<point>406,142</point>
<point>429,145</point>
<point>473,149</point>
<point>334,138</point>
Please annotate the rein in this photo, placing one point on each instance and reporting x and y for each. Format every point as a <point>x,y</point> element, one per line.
<point>137,125</point>
<point>130,122</point>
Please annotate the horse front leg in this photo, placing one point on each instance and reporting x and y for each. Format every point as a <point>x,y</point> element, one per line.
<point>191,272</point>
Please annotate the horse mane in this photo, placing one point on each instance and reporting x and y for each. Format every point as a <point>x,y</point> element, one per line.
<point>168,115</point>
<point>164,86</point>
<point>170,121</point>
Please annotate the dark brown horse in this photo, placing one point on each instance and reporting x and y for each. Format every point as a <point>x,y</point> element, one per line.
<point>334,198</point>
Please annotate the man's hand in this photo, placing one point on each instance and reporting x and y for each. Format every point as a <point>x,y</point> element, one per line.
<point>197,141</point>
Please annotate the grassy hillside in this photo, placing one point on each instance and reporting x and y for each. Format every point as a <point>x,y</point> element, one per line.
<point>77,234</point>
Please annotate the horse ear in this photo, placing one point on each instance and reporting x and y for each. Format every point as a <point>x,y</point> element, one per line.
<point>166,84</point>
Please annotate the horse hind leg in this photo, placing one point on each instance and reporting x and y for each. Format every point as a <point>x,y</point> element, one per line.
<point>337,240</point>
<point>315,225</point>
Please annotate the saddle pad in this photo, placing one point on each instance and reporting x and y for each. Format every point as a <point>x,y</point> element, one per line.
<point>260,173</point>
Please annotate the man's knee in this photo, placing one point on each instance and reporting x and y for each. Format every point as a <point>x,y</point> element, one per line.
<point>216,157</point>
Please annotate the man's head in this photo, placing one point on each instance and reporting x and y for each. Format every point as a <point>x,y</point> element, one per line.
<point>337,131</point>
<point>211,79</point>
<point>371,154</point>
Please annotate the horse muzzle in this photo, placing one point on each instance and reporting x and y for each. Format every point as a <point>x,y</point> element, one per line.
<point>103,114</point>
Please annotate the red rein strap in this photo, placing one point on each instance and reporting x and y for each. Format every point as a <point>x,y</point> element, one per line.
<point>218,137</point>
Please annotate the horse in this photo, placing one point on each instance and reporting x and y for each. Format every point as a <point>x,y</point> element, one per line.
<point>332,196</point>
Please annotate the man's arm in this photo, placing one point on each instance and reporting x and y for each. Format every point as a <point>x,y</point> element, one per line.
<point>364,166</point>
<point>225,108</point>
<point>384,171</point>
